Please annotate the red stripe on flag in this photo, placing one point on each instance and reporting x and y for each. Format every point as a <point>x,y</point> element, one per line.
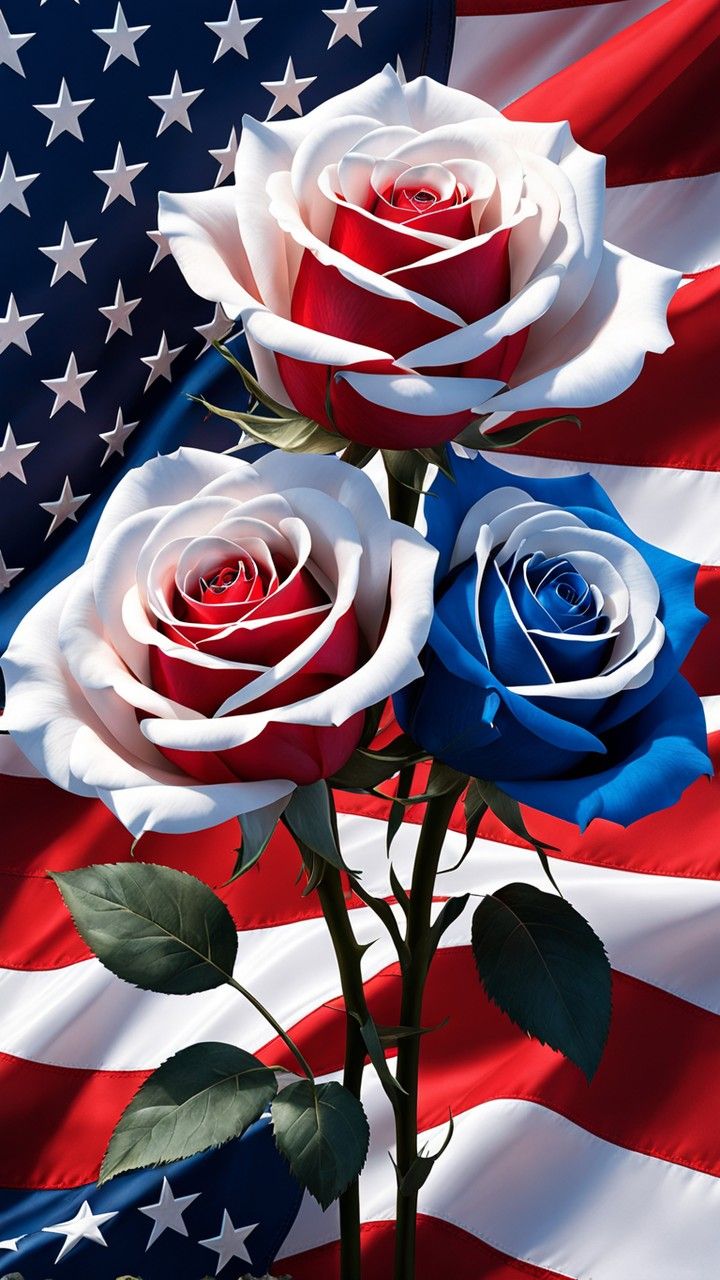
<point>663,1053</point>
<point>482,8</point>
<point>671,415</point>
<point>442,1249</point>
<point>644,97</point>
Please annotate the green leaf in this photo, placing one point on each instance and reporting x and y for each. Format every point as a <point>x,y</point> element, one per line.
<point>203,1096</point>
<point>507,809</point>
<point>308,817</point>
<point>323,1132</point>
<point>158,928</point>
<point>540,961</point>
<point>421,1167</point>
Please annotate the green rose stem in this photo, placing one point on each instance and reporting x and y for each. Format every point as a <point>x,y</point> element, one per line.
<point>427,857</point>
<point>403,501</point>
<point>347,953</point>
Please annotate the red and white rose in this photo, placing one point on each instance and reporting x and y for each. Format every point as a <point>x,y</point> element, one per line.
<point>407,258</point>
<point>222,641</point>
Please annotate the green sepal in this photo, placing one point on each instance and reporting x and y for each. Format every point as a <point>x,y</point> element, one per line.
<point>421,1167</point>
<point>472,437</point>
<point>309,818</point>
<point>507,809</point>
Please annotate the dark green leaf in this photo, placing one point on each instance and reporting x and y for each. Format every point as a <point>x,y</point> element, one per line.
<point>421,1167</point>
<point>407,467</point>
<point>308,817</point>
<point>203,1096</point>
<point>257,831</point>
<point>507,809</point>
<point>323,1132</point>
<point>540,961</point>
<point>156,927</point>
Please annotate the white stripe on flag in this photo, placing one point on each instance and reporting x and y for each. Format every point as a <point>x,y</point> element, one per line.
<point>663,930</point>
<point>511,1165</point>
<point>501,56</point>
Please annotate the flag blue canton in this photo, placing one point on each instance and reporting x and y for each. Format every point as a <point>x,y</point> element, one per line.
<point>103,105</point>
<point>225,1212</point>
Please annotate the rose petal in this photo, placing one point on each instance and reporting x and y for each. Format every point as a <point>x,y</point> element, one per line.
<point>603,350</point>
<point>202,231</point>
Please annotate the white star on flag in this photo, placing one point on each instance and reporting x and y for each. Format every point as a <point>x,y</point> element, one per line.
<point>8,1244</point>
<point>64,115</point>
<point>13,455</point>
<point>68,388</point>
<point>119,313</point>
<point>14,327</point>
<point>66,255</point>
<point>232,32</point>
<point>225,157</point>
<point>115,439</point>
<point>64,508</point>
<point>286,92</point>
<point>12,187</point>
<point>159,364</point>
<point>162,247</point>
<point>119,179</point>
<point>175,105</point>
<point>167,1214</point>
<point>230,1242</point>
<point>120,39</point>
<point>9,47</point>
<point>347,21</point>
<point>216,329</point>
<point>84,1226</point>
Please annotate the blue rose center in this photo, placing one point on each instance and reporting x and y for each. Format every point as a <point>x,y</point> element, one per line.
<point>540,621</point>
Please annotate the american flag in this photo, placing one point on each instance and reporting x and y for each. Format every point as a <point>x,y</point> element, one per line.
<point>103,104</point>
